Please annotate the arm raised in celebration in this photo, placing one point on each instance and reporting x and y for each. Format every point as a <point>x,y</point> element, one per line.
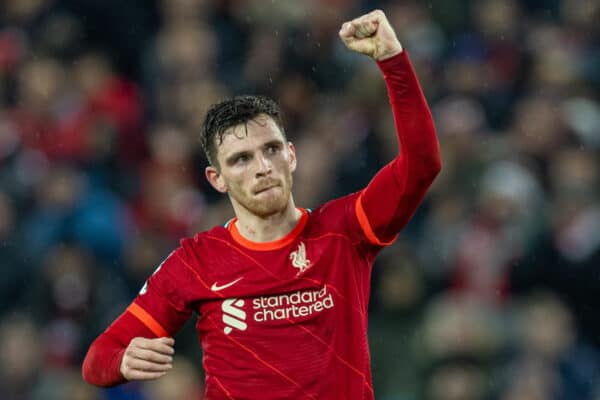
<point>393,195</point>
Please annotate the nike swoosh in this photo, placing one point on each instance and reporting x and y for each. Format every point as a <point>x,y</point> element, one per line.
<point>216,288</point>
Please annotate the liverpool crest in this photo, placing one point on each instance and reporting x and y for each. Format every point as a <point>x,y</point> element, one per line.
<point>299,259</point>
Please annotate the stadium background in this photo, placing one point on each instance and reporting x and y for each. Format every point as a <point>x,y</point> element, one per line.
<point>491,292</point>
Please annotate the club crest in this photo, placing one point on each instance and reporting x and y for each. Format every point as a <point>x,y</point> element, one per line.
<point>299,259</point>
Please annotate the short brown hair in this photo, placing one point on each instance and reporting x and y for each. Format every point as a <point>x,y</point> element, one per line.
<point>231,112</point>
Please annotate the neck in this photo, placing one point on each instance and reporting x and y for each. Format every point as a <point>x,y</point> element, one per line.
<point>267,229</point>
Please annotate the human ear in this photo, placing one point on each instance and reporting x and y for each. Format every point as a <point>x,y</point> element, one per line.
<point>293,161</point>
<point>215,179</point>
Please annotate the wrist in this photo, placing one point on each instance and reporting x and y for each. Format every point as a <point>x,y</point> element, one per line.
<point>389,53</point>
<point>117,362</point>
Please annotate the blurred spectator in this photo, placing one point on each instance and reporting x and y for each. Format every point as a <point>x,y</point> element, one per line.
<point>181,383</point>
<point>396,350</point>
<point>21,356</point>
<point>68,208</point>
<point>566,257</point>
<point>550,361</point>
<point>15,272</point>
<point>506,218</point>
<point>461,340</point>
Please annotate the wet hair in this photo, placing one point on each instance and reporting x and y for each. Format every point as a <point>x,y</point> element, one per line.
<point>232,112</point>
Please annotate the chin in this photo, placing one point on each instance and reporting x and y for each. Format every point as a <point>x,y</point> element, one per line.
<point>267,206</point>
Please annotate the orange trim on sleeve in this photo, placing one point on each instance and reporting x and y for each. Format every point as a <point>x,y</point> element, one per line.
<point>366,225</point>
<point>147,320</point>
<point>274,245</point>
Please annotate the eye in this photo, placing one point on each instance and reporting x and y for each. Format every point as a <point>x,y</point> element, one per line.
<point>241,159</point>
<point>272,149</point>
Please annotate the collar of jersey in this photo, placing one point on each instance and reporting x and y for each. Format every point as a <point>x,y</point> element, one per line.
<point>275,244</point>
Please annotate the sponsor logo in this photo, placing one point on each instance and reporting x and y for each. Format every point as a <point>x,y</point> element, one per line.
<point>216,288</point>
<point>233,315</point>
<point>299,259</point>
<point>290,306</point>
<point>302,303</point>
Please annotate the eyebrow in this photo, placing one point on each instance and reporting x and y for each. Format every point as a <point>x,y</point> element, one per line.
<point>231,159</point>
<point>274,142</point>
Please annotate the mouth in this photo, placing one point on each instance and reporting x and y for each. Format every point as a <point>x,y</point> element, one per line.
<point>265,188</point>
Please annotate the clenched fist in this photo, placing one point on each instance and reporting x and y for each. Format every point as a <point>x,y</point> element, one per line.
<point>371,34</point>
<point>146,359</point>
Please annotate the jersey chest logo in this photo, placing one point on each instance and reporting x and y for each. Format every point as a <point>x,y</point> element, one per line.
<point>215,287</point>
<point>299,259</point>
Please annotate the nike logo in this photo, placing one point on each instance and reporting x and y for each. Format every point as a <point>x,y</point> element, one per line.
<point>216,288</point>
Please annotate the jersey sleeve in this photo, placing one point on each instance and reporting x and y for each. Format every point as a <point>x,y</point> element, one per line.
<point>160,309</point>
<point>386,205</point>
<point>162,304</point>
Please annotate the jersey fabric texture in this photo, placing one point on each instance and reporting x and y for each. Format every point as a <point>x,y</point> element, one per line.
<point>287,319</point>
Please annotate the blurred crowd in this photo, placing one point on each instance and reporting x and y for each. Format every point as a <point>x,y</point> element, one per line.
<point>491,292</point>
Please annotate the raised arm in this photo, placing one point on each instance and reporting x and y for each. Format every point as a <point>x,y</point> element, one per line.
<point>391,198</point>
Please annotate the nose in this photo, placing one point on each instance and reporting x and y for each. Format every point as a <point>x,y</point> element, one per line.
<point>264,167</point>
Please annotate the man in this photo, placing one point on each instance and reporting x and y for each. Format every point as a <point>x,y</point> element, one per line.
<point>281,292</point>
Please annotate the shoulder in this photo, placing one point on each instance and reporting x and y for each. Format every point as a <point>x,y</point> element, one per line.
<point>191,265</point>
<point>335,208</point>
<point>202,238</point>
<point>193,257</point>
<point>201,243</point>
<point>336,214</point>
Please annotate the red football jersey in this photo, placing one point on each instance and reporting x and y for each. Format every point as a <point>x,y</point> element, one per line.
<point>287,319</point>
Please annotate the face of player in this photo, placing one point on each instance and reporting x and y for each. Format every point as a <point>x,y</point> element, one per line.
<point>255,167</point>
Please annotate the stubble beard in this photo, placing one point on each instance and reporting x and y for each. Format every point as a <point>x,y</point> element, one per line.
<point>270,206</point>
